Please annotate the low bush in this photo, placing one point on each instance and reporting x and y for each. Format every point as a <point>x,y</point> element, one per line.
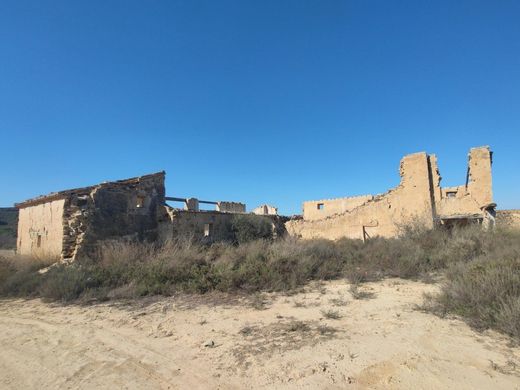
<point>482,269</point>
<point>485,290</point>
<point>249,227</point>
<point>19,275</point>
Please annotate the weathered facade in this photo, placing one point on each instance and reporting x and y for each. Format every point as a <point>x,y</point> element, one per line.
<point>69,224</point>
<point>418,198</point>
<point>508,218</point>
<point>208,225</point>
<point>265,209</point>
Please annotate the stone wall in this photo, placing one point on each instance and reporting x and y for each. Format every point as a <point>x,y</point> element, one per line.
<point>508,218</point>
<point>468,199</point>
<point>73,223</point>
<point>419,198</point>
<point>231,207</point>
<point>40,229</point>
<point>123,209</point>
<point>206,226</point>
<point>379,215</point>
<point>265,209</point>
<point>319,209</point>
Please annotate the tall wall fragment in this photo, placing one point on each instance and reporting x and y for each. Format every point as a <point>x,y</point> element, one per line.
<point>419,198</point>
<point>70,223</point>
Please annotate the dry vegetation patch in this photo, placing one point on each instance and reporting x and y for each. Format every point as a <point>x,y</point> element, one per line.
<point>287,334</point>
<point>481,271</point>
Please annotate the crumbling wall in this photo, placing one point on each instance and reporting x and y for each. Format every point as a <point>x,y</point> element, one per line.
<point>320,209</point>
<point>231,207</point>
<point>382,214</point>
<point>72,223</point>
<point>508,219</point>
<point>472,198</point>
<point>206,226</point>
<point>191,204</point>
<point>479,182</point>
<point>40,229</point>
<point>265,209</point>
<point>418,198</point>
<point>123,209</point>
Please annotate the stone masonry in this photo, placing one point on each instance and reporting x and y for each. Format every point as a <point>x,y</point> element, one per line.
<point>418,198</point>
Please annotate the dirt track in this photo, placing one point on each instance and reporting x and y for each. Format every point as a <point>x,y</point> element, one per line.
<point>217,342</point>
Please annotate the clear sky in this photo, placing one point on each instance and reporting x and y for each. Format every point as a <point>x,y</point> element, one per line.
<point>266,101</point>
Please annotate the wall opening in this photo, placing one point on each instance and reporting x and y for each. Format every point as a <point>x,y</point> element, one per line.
<point>140,201</point>
<point>208,229</point>
<point>39,241</point>
<point>321,206</point>
<point>451,194</point>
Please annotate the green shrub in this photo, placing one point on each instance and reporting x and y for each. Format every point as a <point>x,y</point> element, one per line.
<point>485,290</point>
<point>249,227</point>
<point>19,276</point>
<point>67,283</point>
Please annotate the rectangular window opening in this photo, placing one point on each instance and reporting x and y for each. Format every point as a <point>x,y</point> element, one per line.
<point>208,229</point>
<point>451,194</point>
<point>140,201</point>
<point>321,206</point>
<point>39,241</point>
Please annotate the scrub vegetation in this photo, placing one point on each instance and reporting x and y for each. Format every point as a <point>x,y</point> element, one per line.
<point>479,271</point>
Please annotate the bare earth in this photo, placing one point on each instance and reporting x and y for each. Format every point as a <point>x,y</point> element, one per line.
<point>222,342</point>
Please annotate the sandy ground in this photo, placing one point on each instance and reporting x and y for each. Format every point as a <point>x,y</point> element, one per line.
<point>270,341</point>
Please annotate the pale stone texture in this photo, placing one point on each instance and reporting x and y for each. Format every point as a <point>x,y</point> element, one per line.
<point>314,210</point>
<point>508,218</point>
<point>192,204</point>
<point>208,226</point>
<point>40,230</point>
<point>419,198</point>
<point>70,223</point>
<point>205,225</point>
<point>75,223</point>
<point>231,207</point>
<point>265,209</point>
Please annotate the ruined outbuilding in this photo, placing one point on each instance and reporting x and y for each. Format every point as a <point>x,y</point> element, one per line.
<point>265,209</point>
<point>71,224</point>
<point>418,198</point>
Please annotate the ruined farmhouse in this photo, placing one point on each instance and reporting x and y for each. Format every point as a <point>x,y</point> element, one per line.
<point>418,198</point>
<point>72,223</point>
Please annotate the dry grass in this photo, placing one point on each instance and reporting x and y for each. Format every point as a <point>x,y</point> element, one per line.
<point>278,337</point>
<point>129,269</point>
<point>338,302</point>
<point>482,270</point>
<point>485,290</point>
<point>331,314</point>
<point>358,293</point>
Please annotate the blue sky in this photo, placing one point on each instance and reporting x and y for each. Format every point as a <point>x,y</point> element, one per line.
<point>255,101</point>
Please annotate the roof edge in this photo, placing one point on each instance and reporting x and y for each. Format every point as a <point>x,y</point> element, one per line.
<point>65,193</point>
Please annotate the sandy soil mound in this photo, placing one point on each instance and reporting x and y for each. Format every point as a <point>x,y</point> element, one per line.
<point>319,338</point>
